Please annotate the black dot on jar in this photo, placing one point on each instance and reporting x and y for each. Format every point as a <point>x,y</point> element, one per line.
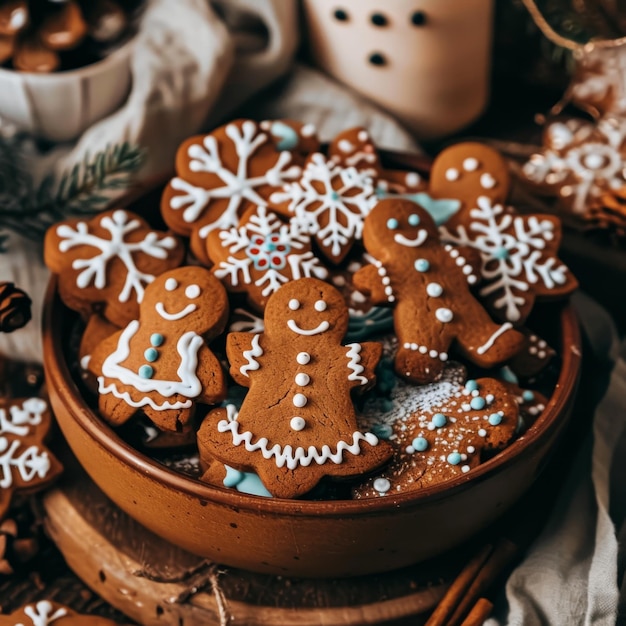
<point>378,19</point>
<point>418,18</point>
<point>376,58</point>
<point>340,15</point>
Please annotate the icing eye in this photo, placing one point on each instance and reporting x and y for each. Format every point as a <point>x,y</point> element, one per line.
<point>294,305</point>
<point>378,19</point>
<point>414,219</point>
<point>392,223</point>
<point>193,291</point>
<point>376,58</point>
<point>171,284</point>
<point>418,18</point>
<point>340,15</point>
<point>320,305</point>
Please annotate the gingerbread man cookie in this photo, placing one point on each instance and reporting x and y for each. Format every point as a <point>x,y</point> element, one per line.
<point>439,431</point>
<point>580,161</point>
<point>297,423</point>
<point>468,170</point>
<point>26,463</point>
<point>428,286</point>
<point>220,176</point>
<point>161,363</point>
<point>106,262</point>
<point>297,137</point>
<point>329,202</point>
<point>47,613</point>
<point>261,255</point>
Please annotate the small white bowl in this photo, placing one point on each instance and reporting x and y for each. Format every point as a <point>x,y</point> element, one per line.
<point>61,105</point>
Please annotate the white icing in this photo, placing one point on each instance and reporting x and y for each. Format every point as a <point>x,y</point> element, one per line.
<point>345,145</point>
<point>487,181</point>
<point>240,267</point>
<point>173,317</point>
<point>297,423</point>
<point>386,281</point>
<point>489,343</point>
<point>294,305</point>
<point>412,179</point>
<point>308,130</point>
<point>524,238</point>
<point>299,456</point>
<point>335,215</point>
<point>43,614</point>
<point>171,284</point>
<point>251,356</point>
<point>302,380</point>
<point>445,316</point>
<point>18,419</point>
<point>320,305</point>
<point>452,174</point>
<point>322,327</point>
<point>192,291</point>
<point>236,186</point>
<point>470,164</point>
<point>354,363</point>
<point>422,236</point>
<point>303,358</point>
<point>433,354</point>
<point>434,290</point>
<point>188,384</point>
<point>94,268</point>
<point>30,462</point>
<point>363,136</point>
<point>299,400</point>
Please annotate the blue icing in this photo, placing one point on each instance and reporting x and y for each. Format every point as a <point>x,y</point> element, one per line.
<point>377,320</point>
<point>414,219</point>
<point>528,396</point>
<point>151,355</point>
<point>420,444</point>
<point>440,210</point>
<point>500,253</point>
<point>440,420</point>
<point>156,339</point>
<point>288,136</point>
<point>382,431</point>
<point>471,385</point>
<point>508,375</point>
<point>146,371</point>
<point>245,482</point>
<point>454,458</point>
<point>477,403</point>
<point>495,419</point>
<point>422,265</point>
<point>392,223</point>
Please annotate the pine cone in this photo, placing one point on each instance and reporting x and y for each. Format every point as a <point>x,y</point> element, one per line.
<point>14,308</point>
<point>14,550</point>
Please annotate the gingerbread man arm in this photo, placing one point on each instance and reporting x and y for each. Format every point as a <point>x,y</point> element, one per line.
<point>242,350</point>
<point>369,281</point>
<point>211,376</point>
<point>362,361</point>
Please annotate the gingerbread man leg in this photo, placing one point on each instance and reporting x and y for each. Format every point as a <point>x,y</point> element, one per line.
<point>170,419</point>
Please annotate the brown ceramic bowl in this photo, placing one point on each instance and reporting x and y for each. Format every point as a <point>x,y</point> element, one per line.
<point>302,538</point>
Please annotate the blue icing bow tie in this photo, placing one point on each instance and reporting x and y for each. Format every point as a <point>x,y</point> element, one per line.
<point>288,136</point>
<point>440,210</point>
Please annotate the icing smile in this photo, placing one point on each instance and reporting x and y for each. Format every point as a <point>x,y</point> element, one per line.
<point>422,235</point>
<point>321,328</point>
<point>172,317</point>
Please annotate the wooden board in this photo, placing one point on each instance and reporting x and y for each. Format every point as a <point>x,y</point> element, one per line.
<point>156,583</point>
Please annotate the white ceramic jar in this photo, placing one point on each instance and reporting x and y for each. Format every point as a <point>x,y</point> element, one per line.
<point>425,61</point>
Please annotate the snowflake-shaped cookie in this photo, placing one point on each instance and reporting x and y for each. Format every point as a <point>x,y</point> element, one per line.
<point>438,431</point>
<point>47,613</point>
<point>108,261</point>
<point>518,253</point>
<point>261,255</point>
<point>26,464</point>
<point>580,161</point>
<point>220,176</point>
<point>329,202</point>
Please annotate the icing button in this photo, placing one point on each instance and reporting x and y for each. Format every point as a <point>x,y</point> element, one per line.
<point>434,290</point>
<point>444,315</point>
<point>297,423</point>
<point>302,379</point>
<point>299,400</point>
<point>382,485</point>
<point>151,355</point>
<point>420,444</point>
<point>157,339</point>
<point>303,358</point>
<point>422,265</point>
<point>146,371</point>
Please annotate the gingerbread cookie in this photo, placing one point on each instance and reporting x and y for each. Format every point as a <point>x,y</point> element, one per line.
<point>161,363</point>
<point>106,262</point>
<point>292,135</point>
<point>220,176</point>
<point>533,357</point>
<point>428,286</point>
<point>47,613</point>
<point>519,262</point>
<point>468,170</point>
<point>262,254</point>
<point>27,464</point>
<point>329,202</point>
<point>291,430</point>
<point>580,161</point>
<point>438,431</point>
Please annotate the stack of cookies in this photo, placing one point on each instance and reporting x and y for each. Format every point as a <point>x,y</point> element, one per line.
<point>316,324</point>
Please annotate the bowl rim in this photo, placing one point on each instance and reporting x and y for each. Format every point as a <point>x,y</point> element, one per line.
<point>60,379</point>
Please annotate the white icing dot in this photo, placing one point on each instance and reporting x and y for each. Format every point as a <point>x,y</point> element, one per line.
<point>461,261</point>
<point>470,164</point>
<point>444,315</point>
<point>412,179</point>
<point>345,146</point>
<point>299,400</point>
<point>467,270</point>
<point>443,356</point>
<point>320,305</point>
<point>434,290</point>
<point>192,291</point>
<point>308,130</point>
<point>302,379</point>
<point>433,354</point>
<point>363,136</point>
<point>452,174</point>
<point>297,423</point>
<point>171,284</point>
<point>407,346</point>
<point>382,485</point>
<point>594,161</point>
<point>294,305</point>
<point>482,432</point>
<point>471,449</point>
<point>487,181</point>
<point>423,349</point>
<point>413,346</point>
<point>471,279</point>
<point>465,469</point>
<point>303,358</point>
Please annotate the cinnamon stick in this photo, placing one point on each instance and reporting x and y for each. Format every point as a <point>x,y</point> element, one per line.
<point>480,612</point>
<point>458,588</point>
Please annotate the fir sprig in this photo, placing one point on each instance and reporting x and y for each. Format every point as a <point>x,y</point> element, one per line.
<point>86,188</point>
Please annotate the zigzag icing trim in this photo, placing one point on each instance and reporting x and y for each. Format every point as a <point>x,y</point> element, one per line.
<point>354,363</point>
<point>251,356</point>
